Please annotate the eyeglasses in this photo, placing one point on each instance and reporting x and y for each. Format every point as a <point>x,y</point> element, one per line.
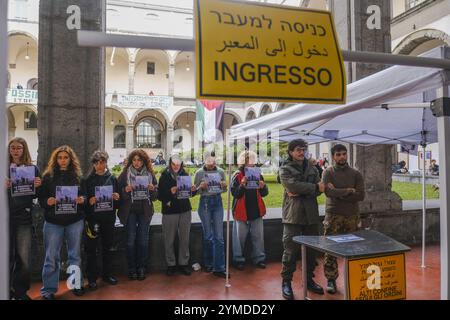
<point>16,148</point>
<point>340,154</point>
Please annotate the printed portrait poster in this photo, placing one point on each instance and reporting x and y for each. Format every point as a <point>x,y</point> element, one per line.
<point>213,182</point>
<point>22,181</point>
<point>253,175</point>
<point>103,194</point>
<point>184,185</point>
<point>140,187</point>
<point>66,199</point>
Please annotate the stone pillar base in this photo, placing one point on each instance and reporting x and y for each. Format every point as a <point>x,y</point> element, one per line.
<point>380,201</point>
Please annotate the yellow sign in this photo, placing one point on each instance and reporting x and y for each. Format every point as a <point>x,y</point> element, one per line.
<point>260,52</point>
<point>377,278</point>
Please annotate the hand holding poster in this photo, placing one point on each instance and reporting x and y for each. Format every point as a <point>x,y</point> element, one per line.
<point>103,195</point>
<point>140,187</point>
<point>253,175</point>
<point>22,181</point>
<point>66,199</point>
<point>213,182</point>
<point>184,185</point>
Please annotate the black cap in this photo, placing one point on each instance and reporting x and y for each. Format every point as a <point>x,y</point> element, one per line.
<point>297,143</point>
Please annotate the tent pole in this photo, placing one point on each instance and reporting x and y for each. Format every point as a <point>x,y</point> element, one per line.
<point>4,212</point>
<point>227,278</point>
<point>441,109</point>
<point>87,38</point>
<point>424,205</point>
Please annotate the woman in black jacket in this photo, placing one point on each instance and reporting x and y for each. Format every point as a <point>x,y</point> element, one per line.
<point>20,222</point>
<point>103,195</point>
<point>64,219</point>
<point>136,210</point>
<point>176,217</point>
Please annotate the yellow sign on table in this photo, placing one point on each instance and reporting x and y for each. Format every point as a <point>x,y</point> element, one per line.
<point>252,51</point>
<point>377,278</point>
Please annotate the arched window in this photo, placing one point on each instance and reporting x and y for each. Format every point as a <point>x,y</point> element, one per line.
<point>32,84</point>
<point>250,116</point>
<point>119,136</point>
<point>265,110</point>
<point>148,134</point>
<point>30,120</point>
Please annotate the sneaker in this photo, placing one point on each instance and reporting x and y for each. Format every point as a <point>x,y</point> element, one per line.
<point>171,270</point>
<point>331,286</point>
<point>239,265</point>
<point>92,285</point>
<point>261,265</point>
<point>208,269</point>
<point>110,280</point>
<point>141,274</point>
<point>132,275</point>
<point>78,292</point>
<point>22,297</point>
<point>49,296</point>
<point>186,270</point>
<point>221,274</point>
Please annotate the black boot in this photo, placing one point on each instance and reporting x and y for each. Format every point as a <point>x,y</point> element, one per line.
<point>286,289</point>
<point>331,286</point>
<point>314,287</point>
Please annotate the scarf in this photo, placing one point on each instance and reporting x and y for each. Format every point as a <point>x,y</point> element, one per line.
<point>132,173</point>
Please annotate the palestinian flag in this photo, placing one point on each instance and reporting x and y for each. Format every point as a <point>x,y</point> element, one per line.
<point>209,117</point>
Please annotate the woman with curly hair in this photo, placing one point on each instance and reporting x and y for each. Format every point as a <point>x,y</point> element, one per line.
<point>63,169</point>
<point>136,211</point>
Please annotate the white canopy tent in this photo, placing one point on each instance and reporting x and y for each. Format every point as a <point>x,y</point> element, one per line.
<point>362,119</point>
<point>384,108</point>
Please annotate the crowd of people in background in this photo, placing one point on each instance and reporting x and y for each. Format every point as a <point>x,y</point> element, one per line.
<point>91,221</point>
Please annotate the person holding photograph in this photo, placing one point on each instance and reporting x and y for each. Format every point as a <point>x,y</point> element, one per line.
<point>136,215</point>
<point>210,210</point>
<point>176,217</point>
<point>63,169</point>
<point>20,222</point>
<point>100,221</point>
<point>248,210</point>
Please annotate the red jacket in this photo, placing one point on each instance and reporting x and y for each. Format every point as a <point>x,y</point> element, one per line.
<point>239,208</point>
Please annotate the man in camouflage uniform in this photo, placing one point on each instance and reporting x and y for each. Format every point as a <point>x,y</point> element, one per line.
<point>300,213</point>
<point>344,188</point>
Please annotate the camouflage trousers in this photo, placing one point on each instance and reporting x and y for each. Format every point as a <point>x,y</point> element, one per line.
<point>337,224</point>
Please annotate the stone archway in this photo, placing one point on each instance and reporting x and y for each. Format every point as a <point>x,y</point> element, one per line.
<point>411,42</point>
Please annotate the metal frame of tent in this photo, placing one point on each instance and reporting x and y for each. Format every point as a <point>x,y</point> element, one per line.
<point>98,39</point>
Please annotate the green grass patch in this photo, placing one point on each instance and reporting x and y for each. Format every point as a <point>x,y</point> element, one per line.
<point>406,190</point>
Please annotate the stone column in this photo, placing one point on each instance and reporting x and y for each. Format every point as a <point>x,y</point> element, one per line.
<point>364,25</point>
<point>131,75</point>
<point>129,137</point>
<point>169,141</point>
<point>71,79</point>
<point>172,77</point>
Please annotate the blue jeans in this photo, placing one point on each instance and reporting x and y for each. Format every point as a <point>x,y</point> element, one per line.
<point>138,228</point>
<point>20,259</point>
<point>210,210</point>
<point>54,236</point>
<point>240,231</point>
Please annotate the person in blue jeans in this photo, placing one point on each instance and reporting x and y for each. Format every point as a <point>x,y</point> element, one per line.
<point>63,169</point>
<point>136,210</point>
<point>210,182</point>
<point>248,211</point>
